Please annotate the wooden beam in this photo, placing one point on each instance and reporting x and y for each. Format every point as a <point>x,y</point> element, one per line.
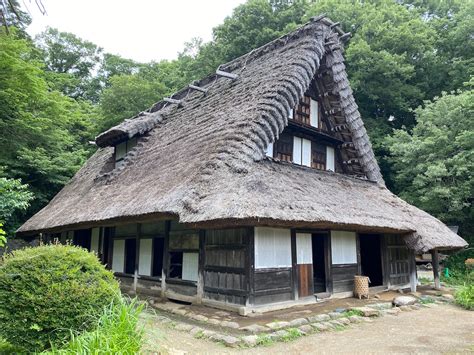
<point>435,263</point>
<point>347,145</point>
<point>227,75</point>
<point>351,161</point>
<point>345,36</point>
<point>197,88</point>
<point>172,101</point>
<point>338,128</point>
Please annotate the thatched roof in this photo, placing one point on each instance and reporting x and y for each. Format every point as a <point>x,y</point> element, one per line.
<point>204,160</point>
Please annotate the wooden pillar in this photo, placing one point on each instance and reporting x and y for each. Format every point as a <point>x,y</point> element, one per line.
<point>435,263</point>
<point>164,271</point>
<point>294,268</point>
<point>250,266</point>
<point>137,257</point>
<point>201,264</point>
<point>413,276</point>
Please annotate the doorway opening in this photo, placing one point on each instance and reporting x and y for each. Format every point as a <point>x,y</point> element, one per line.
<point>319,262</point>
<point>371,258</point>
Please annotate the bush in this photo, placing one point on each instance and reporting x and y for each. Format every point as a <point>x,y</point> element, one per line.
<point>116,332</point>
<point>49,290</point>
<point>465,296</point>
<point>458,272</point>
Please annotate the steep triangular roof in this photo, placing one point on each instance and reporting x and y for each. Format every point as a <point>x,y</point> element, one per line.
<point>204,159</point>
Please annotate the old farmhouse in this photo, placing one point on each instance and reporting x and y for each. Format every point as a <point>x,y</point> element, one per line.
<point>254,186</point>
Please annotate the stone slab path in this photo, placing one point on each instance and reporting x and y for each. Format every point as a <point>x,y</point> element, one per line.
<point>438,330</point>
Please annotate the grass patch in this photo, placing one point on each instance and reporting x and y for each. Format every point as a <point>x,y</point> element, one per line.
<point>339,328</point>
<point>199,335</point>
<point>352,312</point>
<point>116,332</point>
<point>464,296</point>
<point>425,281</point>
<point>426,300</point>
<point>292,334</point>
<point>264,340</point>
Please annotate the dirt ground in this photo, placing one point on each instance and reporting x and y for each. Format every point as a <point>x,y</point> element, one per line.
<point>441,330</point>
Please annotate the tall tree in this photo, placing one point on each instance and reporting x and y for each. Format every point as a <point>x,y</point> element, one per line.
<point>44,133</point>
<point>434,161</point>
<point>71,63</point>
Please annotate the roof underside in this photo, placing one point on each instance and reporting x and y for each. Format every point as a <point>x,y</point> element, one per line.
<point>204,159</point>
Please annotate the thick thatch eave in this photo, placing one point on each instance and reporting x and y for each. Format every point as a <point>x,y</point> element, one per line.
<point>204,159</point>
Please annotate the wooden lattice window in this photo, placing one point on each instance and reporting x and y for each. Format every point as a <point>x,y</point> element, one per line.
<point>284,147</point>
<point>302,111</point>
<point>318,156</point>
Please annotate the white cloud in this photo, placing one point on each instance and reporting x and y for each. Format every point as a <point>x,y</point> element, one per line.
<point>142,30</point>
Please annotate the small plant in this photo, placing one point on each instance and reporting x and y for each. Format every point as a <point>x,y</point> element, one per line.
<point>426,300</point>
<point>291,335</point>
<point>352,312</point>
<point>425,280</point>
<point>199,335</point>
<point>116,332</point>
<point>264,340</point>
<point>465,296</point>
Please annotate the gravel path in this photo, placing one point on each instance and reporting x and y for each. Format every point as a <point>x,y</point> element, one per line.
<point>443,329</point>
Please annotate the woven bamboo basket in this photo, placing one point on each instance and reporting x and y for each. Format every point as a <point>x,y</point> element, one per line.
<point>361,286</point>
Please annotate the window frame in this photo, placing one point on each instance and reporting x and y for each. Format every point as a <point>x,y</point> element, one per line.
<point>129,145</point>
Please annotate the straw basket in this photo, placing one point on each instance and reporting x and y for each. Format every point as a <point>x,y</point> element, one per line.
<point>361,286</point>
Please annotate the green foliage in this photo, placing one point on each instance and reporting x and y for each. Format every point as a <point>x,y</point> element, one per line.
<point>434,162</point>
<point>3,238</point>
<point>70,63</point>
<point>44,133</point>
<point>13,196</point>
<point>292,334</point>
<point>49,290</point>
<point>353,312</point>
<point>465,296</point>
<point>264,340</point>
<point>459,273</point>
<point>115,332</point>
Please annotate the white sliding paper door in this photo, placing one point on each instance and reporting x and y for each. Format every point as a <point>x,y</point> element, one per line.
<point>118,255</point>
<point>190,266</point>
<point>145,257</point>
<point>343,247</point>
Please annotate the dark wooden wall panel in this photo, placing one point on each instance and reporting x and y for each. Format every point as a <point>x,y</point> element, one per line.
<point>343,277</point>
<point>225,265</point>
<point>272,285</point>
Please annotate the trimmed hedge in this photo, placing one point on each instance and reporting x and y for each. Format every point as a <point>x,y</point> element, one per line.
<point>48,291</point>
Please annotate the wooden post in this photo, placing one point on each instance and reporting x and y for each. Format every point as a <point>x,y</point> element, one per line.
<point>413,276</point>
<point>137,257</point>
<point>250,265</point>
<point>164,272</point>
<point>294,267</point>
<point>201,264</point>
<point>435,263</point>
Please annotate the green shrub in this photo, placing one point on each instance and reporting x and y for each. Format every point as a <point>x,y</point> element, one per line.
<point>116,332</point>
<point>49,290</point>
<point>465,296</point>
<point>458,272</point>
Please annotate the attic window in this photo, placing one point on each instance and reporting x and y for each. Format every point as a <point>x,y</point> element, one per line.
<point>122,149</point>
<point>306,112</point>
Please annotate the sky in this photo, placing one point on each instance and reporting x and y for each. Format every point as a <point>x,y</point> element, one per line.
<point>143,30</point>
